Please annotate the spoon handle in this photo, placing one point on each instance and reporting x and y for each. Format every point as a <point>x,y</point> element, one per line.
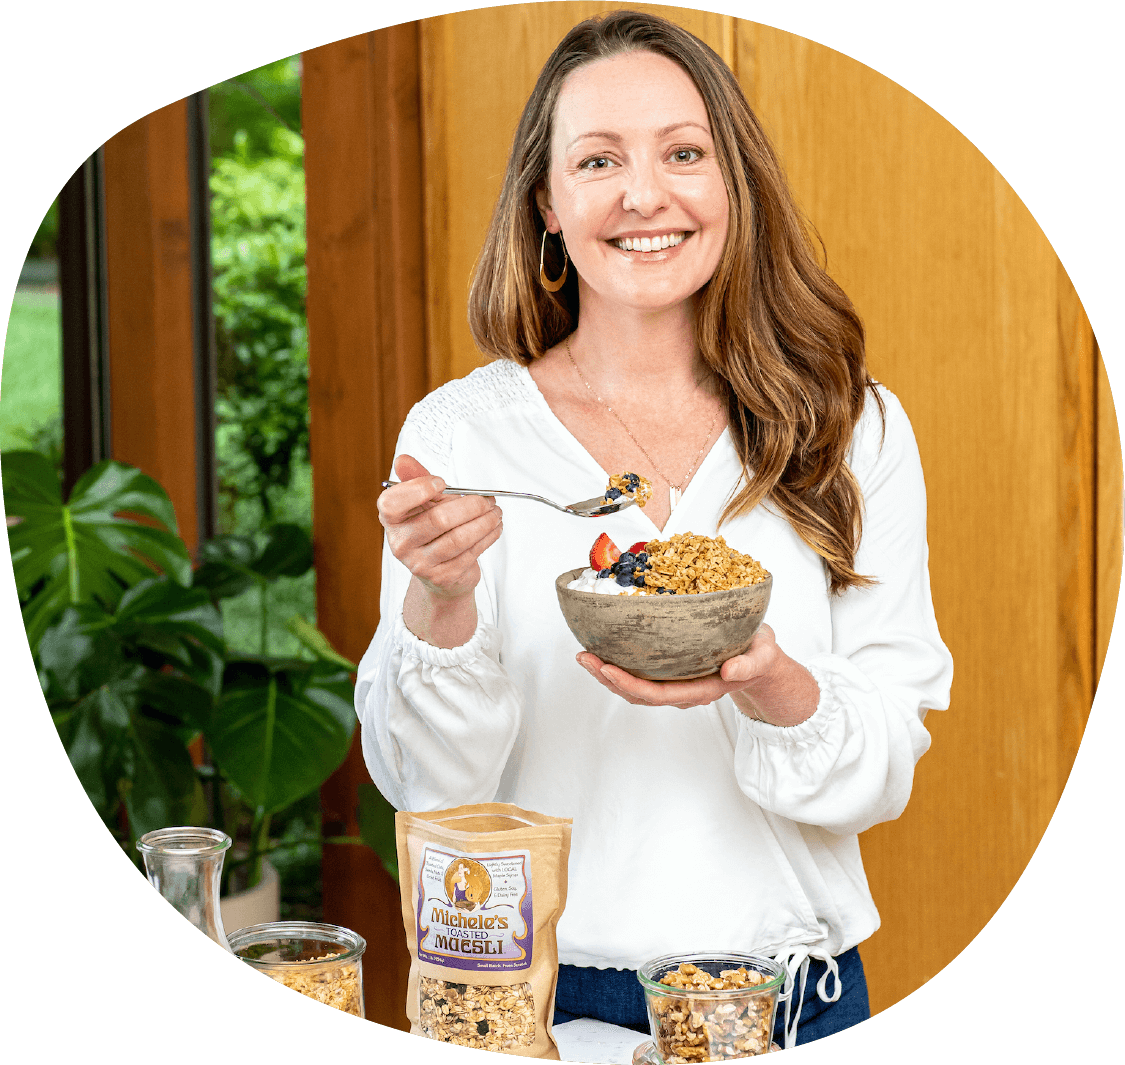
<point>488,492</point>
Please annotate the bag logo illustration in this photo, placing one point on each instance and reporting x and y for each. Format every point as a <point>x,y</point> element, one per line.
<point>467,884</point>
<point>475,913</point>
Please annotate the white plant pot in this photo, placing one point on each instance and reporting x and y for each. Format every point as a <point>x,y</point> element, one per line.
<point>256,905</point>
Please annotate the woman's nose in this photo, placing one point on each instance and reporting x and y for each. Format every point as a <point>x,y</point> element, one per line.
<point>645,192</point>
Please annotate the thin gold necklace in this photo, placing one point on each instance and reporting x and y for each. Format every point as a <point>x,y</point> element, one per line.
<point>675,491</point>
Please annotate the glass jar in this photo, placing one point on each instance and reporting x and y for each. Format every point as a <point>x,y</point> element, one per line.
<point>719,1006</point>
<point>322,961</point>
<point>184,865</point>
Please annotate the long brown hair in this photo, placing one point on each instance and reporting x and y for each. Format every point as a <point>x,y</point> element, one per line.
<point>783,339</point>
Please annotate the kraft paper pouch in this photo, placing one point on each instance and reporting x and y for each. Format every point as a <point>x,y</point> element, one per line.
<point>482,888</point>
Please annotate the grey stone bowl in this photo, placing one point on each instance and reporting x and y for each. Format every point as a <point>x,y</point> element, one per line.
<point>664,637</point>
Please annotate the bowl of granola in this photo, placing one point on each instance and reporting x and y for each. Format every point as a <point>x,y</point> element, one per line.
<point>711,1007</point>
<point>673,609</point>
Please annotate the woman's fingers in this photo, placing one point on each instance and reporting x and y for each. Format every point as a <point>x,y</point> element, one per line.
<point>438,538</point>
<point>632,689</point>
<point>442,532</point>
<point>736,674</point>
<point>408,499</point>
<point>439,560</point>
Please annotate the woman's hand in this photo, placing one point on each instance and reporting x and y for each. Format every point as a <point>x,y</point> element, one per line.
<point>765,683</point>
<point>439,539</point>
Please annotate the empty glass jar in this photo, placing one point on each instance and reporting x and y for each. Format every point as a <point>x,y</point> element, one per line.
<point>184,865</point>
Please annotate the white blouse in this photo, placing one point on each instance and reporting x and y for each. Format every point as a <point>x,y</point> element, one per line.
<point>693,829</point>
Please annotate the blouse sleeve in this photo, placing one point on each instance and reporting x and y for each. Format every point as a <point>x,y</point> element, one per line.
<point>437,724</point>
<point>851,764</point>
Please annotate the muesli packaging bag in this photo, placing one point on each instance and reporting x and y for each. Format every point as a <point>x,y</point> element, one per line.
<point>483,887</point>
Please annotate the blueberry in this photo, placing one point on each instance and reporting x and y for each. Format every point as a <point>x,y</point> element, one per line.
<point>661,591</point>
<point>626,558</point>
<point>605,573</point>
<point>613,493</point>
<point>642,556</point>
<point>639,580</point>
<point>624,579</point>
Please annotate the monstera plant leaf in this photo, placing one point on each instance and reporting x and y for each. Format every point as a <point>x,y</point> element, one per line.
<point>86,549</point>
<point>123,709</point>
<point>280,728</point>
<point>232,563</point>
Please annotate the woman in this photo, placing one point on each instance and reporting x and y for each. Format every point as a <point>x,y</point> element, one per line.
<point>650,298</point>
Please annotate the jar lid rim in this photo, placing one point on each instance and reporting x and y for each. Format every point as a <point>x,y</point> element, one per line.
<point>352,943</point>
<point>184,839</point>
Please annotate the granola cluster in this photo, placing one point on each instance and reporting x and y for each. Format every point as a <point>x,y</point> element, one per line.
<point>338,986</point>
<point>702,1027</point>
<point>688,564</point>
<point>632,485</point>
<point>486,1017</point>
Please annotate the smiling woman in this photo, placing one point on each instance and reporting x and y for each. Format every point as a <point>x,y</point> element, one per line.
<point>652,302</point>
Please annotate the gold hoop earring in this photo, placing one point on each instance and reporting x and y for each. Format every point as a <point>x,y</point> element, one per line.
<point>552,286</point>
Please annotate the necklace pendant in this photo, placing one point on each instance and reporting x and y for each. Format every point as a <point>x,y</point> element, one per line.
<point>673,496</point>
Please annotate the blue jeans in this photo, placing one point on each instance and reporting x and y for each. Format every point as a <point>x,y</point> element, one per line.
<point>615,996</point>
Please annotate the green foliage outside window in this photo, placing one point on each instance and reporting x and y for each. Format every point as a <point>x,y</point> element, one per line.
<point>258,261</point>
<point>258,257</point>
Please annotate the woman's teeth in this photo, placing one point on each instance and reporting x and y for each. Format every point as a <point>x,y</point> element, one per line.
<point>668,240</point>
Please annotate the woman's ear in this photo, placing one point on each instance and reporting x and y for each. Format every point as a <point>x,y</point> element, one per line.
<point>543,201</point>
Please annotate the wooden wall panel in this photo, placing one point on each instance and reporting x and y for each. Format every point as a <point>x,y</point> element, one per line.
<point>367,367</point>
<point>149,280</point>
<point>1108,508</point>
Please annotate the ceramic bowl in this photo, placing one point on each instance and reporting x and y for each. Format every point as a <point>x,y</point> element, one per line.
<point>664,637</point>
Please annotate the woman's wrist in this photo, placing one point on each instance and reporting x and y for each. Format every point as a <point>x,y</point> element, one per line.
<point>786,696</point>
<point>439,620</point>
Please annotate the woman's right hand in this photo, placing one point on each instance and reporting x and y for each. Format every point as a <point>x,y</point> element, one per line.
<point>439,539</point>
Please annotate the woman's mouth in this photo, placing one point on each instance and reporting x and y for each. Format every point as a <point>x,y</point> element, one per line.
<point>657,242</point>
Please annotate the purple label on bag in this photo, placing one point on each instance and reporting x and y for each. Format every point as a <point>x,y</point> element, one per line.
<point>475,913</point>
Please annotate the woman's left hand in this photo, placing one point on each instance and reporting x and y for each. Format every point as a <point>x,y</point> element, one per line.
<point>765,683</point>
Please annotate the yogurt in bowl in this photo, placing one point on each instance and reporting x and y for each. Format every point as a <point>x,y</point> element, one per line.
<point>589,581</point>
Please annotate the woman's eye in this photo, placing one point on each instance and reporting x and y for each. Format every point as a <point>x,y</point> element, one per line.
<point>598,162</point>
<point>686,155</point>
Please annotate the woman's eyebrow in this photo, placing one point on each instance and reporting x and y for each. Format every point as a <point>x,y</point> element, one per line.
<point>605,134</point>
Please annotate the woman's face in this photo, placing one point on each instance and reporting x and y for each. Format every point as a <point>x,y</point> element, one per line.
<point>634,183</point>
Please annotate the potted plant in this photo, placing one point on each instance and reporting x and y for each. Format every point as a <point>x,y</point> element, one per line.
<point>128,641</point>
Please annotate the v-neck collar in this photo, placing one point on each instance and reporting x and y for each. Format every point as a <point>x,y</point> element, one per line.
<point>572,442</point>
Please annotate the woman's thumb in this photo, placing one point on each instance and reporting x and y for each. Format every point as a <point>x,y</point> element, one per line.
<point>407,468</point>
<point>735,670</point>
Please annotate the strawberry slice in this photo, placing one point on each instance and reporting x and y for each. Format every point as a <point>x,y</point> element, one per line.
<point>638,547</point>
<point>604,553</point>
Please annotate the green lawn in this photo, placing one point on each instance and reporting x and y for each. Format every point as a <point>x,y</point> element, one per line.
<point>31,388</point>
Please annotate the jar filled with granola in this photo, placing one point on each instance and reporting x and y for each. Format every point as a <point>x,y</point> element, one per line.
<point>322,961</point>
<point>711,1007</point>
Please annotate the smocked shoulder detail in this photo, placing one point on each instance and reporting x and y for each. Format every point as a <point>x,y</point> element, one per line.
<point>874,428</point>
<point>488,388</point>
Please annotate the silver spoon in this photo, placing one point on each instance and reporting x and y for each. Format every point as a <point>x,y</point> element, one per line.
<point>586,508</point>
